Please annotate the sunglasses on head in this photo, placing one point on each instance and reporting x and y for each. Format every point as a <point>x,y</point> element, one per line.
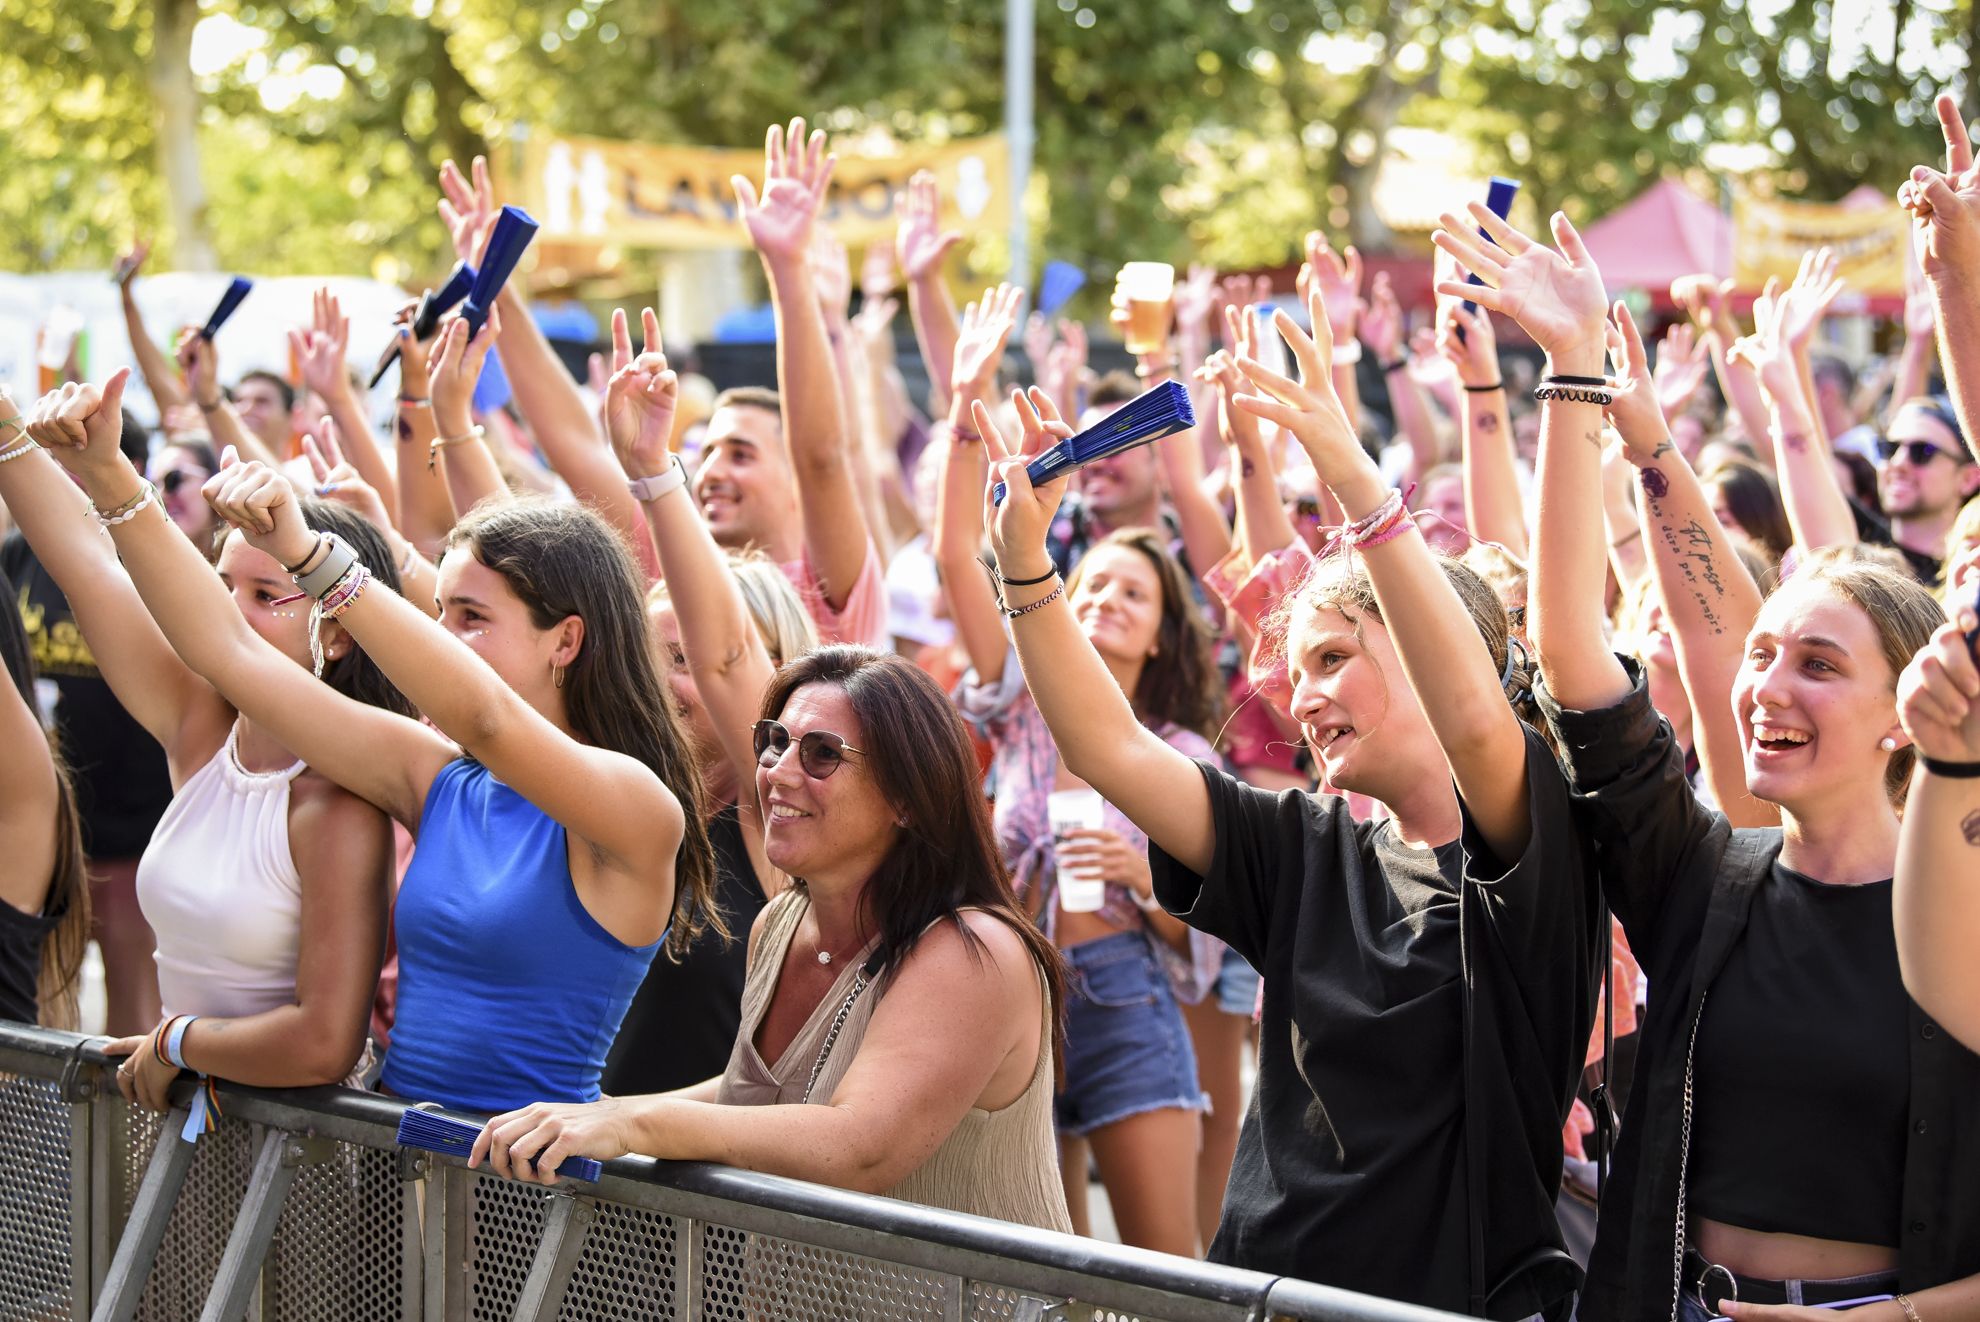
<point>820,752</point>
<point>1917,453</point>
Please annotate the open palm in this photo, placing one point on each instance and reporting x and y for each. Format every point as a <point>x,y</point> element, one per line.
<point>985,330</point>
<point>1556,296</point>
<point>796,171</point>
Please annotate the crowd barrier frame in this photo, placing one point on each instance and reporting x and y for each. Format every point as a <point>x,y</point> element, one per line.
<point>301,1206</point>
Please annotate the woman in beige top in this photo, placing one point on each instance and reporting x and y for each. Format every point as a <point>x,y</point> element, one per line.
<point>898,1018</point>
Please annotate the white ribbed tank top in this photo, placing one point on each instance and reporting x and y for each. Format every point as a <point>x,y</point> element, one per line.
<point>220,889</point>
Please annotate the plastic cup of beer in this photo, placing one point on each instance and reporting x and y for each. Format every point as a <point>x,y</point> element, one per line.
<point>1076,810</point>
<point>1148,287</point>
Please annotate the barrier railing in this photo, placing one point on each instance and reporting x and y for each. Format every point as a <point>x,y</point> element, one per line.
<point>301,1206</point>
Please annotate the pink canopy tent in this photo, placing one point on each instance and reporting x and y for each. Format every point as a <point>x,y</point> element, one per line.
<point>1664,232</point>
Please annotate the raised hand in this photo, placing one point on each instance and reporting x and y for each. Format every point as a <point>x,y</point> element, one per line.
<point>468,212</point>
<point>986,329</point>
<point>414,377</point>
<point>129,263</point>
<point>80,424</point>
<point>1195,296</point>
<point>1807,300</point>
<point>1682,362</point>
<point>1067,361</point>
<point>1945,206</point>
<point>1638,412</point>
<point>1767,350</point>
<point>260,502</point>
<point>320,350</point>
<point>337,479</point>
<point>1939,694</point>
<point>1018,525</point>
<point>199,363</point>
<point>1706,299</point>
<point>1038,339</point>
<point>1338,278</point>
<point>831,274</point>
<point>1238,429</point>
<point>1468,342</point>
<point>875,319</point>
<point>796,172</point>
<point>1555,295</point>
<point>640,399</point>
<point>876,272</point>
<point>1237,291</point>
<point>455,367</point>
<point>920,241</point>
<point>1308,407</point>
<point>1381,322</point>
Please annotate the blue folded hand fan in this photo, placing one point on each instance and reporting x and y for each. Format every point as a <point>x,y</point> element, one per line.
<point>433,305</point>
<point>236,291</point>
<point>1056,287</point>
<point>513,230</point>
<point>435,1132</point>
<point>1160,412</point>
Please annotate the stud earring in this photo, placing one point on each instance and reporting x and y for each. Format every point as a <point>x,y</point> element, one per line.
<point>1888,744</point>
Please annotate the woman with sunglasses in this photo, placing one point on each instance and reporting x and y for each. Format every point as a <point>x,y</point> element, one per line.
<point>897,1029</point>
<point>1429,979</point>
<point>179,469</point>
<point>1798,1133</point>
<point>257,845</point>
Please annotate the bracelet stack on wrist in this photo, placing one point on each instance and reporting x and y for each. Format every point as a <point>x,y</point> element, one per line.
<point>1384,523</point>
<point>127,511</point>
<point>1575,390</point>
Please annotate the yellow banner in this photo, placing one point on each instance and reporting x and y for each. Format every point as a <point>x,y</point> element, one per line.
<point>1872,244</point>
<point>592,191</point>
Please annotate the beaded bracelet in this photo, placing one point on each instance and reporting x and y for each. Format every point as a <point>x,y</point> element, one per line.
<point>1040,604</point>
<point>25,447</point>
<point>129,510</point>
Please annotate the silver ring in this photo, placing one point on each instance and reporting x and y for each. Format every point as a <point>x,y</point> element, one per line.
<point>1732,1286</point>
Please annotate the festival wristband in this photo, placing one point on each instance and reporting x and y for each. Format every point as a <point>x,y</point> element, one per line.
<point>175,1040</point>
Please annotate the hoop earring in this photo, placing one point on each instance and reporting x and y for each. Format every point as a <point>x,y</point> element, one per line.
<point>557,676</point>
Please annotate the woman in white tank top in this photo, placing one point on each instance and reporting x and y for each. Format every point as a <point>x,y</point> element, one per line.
<point>255,848</point>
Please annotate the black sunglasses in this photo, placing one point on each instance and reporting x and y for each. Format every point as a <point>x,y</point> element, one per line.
<point>174,478</point>
<point>820,752</point>
<point>1918,453</point>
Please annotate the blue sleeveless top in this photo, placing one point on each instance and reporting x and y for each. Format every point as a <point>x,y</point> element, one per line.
<point>509,991</point>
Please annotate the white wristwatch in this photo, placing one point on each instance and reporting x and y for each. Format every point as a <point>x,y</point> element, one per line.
<point>649,489</point>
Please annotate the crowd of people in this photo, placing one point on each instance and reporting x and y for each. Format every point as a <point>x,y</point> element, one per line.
<point>1558,771</point>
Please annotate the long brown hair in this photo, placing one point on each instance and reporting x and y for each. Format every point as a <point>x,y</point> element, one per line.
<point>923,764</point>
<point>1179,685</point>
<point>57,985</point>
<point>563,560</point>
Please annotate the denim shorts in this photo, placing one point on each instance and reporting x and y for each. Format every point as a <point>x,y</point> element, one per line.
<point>1127,1048</point>
<point>1237,986</point>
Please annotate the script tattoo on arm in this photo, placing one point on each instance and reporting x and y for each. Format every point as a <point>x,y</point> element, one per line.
<point>1690,548</point>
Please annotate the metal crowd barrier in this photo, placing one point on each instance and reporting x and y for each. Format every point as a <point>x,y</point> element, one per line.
<point>301,1206</point>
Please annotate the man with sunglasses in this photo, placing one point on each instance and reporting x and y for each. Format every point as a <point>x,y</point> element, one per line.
<point>1924,474</point>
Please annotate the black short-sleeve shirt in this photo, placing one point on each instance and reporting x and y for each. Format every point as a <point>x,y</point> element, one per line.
<point>1351,1163</point>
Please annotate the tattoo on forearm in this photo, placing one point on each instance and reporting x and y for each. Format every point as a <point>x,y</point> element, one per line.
<point>405,427</point>
<point>1663,448</point>
<point>1691,554</point>
<point>1794,442</point>
<point>1969,826</point>
<point>1594,438</point>
<point>1249,470</point>
<point>1655,484</point>
<point>1486,419</point>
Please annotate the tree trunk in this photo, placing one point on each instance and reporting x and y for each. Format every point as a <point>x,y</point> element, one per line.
<point>177,100</point>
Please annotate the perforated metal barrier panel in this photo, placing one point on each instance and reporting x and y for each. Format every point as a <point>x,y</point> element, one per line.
<point>303,1205</point>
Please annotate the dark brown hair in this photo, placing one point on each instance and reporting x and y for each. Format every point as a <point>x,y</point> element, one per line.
<point>68,886</point>
<point>921,760</point>
<point>563,560</point>
<point>1180,684</point>
<point>1754,501</point>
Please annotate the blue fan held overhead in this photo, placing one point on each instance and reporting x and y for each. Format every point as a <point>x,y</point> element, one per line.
<point>433,305</point>
<point>1160,412</point>
<point>237,290</point>
<point>513,231</point>
<point>1498,200</point>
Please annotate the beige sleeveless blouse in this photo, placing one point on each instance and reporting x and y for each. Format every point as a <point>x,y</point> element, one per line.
<point>1002,1163</point>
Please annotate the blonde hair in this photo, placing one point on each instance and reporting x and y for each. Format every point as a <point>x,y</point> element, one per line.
<point>774,606</point>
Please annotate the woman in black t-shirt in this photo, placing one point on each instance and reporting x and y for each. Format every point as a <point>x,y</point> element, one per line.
<point>1797,1131</point>
<point>44,886</point>
<point>1428,979</point>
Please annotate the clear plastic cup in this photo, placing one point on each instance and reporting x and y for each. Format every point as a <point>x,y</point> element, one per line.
<point>1148,288</point>
<point>1076,810</point>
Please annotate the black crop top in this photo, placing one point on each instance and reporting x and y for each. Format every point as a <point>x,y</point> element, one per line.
<point>1803,1069</point>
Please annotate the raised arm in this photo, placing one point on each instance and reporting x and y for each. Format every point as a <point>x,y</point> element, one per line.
<point>1556,297</point>
<point>1709,599</point>
<point>1262,525</point>
<point>1339,278</point>
<point>463,451</point>
<point>30,791</point>
<point>1382,334</point>
<point>922,243</point>
<point>1945,210</point>
<point>958,540</point>
<point>1817,510</point>
<point>1493,510</point>
<point>143,672</point>
<point>796,172</point>
<point>1816,285</point>
<point>1099,738</point>
<point>322,352</point>
<point>161,378</point>
<point>1451,672</point>
<point>724,652</point>
<point>1935,903</point>
<point>337,479</point>
<point>1707,300</point>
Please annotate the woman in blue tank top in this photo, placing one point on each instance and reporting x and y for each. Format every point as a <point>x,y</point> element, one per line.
<point>555,804</point>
